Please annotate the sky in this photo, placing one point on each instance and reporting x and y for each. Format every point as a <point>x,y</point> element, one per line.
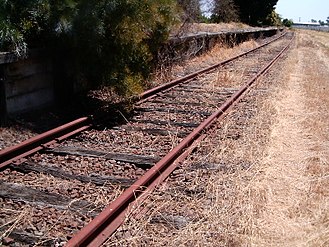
<point>303,10</point>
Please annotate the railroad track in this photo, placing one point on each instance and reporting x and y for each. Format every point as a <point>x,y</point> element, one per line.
<point>58,184</point>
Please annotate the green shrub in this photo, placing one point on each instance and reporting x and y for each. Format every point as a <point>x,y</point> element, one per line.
<point>287,22</point>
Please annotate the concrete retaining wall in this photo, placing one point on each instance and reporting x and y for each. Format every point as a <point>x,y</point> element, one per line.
<point>26,84</point>
<point>182,48</point>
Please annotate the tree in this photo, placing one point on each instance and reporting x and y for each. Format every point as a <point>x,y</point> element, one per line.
<point>327,20</point>
<point>255,12</point>
<point>313,21</point>
<point>21,21</point>
<point>225,11</point>
<point>273,19</point>
<point>191,10</point>
<point>287,22</point>
<point>32,23</point>
<point>322,23</point>
<point>115,42</point>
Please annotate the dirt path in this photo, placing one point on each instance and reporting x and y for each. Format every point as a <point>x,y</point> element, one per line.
<point>292,194</point>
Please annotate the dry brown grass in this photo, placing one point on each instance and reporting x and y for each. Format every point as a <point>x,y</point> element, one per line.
<point>219,53</point>
<point>294,182</point>
<point>268,186</point>
<point>205,203</point>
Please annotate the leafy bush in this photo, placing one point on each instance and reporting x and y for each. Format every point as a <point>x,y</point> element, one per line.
<point>287,22</point>
<point>273,19</point>
<point>122,38</point>
<point>21,22</point>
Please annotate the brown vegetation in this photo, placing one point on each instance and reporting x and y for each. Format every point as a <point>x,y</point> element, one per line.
<point>263,182</point>
<point>294,181</point>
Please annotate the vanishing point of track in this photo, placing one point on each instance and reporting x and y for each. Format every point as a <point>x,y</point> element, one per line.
<point>125,163</point>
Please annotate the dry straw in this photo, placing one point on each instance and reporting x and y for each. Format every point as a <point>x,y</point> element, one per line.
<point>263,182</point>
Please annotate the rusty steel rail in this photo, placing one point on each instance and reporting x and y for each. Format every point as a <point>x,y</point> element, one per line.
<point>106,223</point>
<point>17,153</point>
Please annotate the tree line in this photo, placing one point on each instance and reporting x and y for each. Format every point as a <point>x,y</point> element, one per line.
<point>322,23</point>
<point>252,12</point>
